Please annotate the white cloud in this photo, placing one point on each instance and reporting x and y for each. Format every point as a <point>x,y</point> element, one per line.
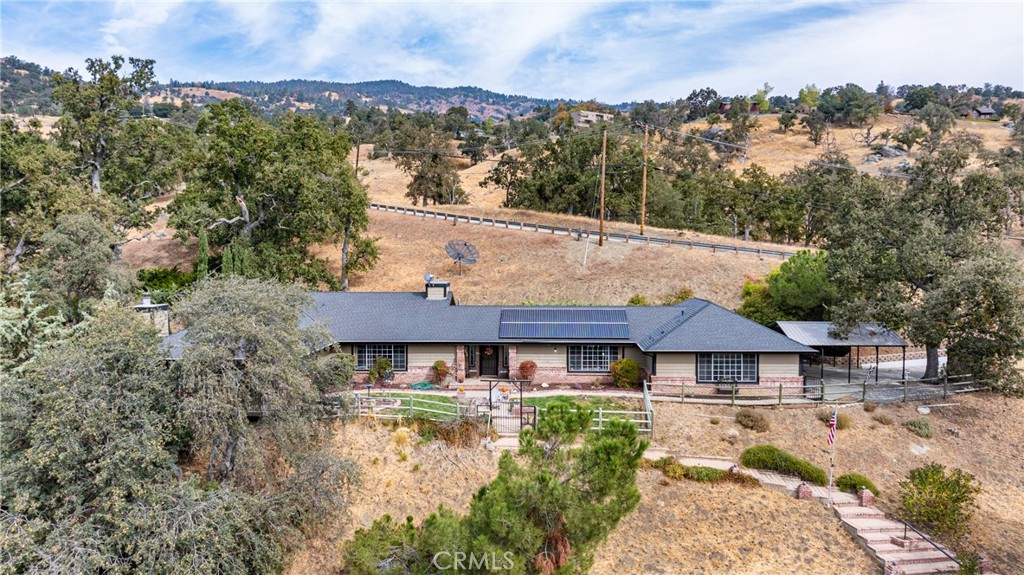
<point>606,50</point>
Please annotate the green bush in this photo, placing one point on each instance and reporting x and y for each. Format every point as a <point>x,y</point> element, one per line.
<point>704,474</point>
<point>922,426</point>
<point>772,458</point>
<point>439,371</point>
<point>663,462</point>
<point>626,373</point>
<point>854,481</point>
<point>942,504</point>
<point>674,470</point>
<point>751,419</point>
<point>381,367</point>
<point>638,300</point>
<point>163,284</point>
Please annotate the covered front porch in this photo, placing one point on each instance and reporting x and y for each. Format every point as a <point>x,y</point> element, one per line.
<point>486,361</point>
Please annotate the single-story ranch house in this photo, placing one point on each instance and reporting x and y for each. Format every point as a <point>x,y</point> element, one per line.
<point>694,342</point>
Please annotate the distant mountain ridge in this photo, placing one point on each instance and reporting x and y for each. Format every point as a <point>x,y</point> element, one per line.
<point>26,88</point>
<point>332,97</point>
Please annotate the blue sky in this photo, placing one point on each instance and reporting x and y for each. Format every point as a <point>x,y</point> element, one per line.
<point>611,51</point>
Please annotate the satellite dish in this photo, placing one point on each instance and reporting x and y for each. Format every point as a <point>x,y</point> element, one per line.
<point>462,252</point>
<point>428,278</point>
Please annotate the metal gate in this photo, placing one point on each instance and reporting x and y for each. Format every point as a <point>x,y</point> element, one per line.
<point>505,402</point>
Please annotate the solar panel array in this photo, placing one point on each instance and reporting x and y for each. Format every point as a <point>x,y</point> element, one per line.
<point>563,324</point>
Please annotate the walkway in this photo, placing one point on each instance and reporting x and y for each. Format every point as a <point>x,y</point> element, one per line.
<point>897,548</point>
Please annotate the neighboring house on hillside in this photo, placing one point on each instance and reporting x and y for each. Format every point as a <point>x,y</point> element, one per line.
<point>980,113</point>
<point>695,341</point>
<point>584,118</point>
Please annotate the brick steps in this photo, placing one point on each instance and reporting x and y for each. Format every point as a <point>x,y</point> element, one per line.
<point>946,567</point>
<point>858,512</point>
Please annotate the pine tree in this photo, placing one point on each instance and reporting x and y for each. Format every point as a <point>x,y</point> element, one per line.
<point>203,263</point>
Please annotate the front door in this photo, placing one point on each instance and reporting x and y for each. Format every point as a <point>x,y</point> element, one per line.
<point>489,361</point>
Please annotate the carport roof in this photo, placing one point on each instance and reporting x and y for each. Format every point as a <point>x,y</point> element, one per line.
<point>819,334</point>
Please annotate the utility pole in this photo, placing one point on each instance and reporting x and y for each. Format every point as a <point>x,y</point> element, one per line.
<point>604,154</point>
<point>643,194</point>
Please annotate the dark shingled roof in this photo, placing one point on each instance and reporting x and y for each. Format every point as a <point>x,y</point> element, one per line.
<point>694,325</point>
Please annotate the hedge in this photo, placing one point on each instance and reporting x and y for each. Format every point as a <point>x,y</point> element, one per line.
<point>852,482</point>
<point>772,458</point>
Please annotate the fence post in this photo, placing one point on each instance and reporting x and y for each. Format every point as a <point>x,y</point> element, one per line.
<point>600,419</point>
<point>945,385</point>
<point>864,391</point>
<point>412,402</point>
<point>780,394</point>
<point>822,382</point>
<point>682,392</point>
<point>734,394</point>
<point>906,382</point>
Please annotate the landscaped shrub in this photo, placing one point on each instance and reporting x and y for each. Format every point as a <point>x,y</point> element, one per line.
<point>704,474</point>
<point>381,368</point>
<point>752,420</point>
<point>922,426</point>
<point>852,482</point>
<point>942,504</point>
<point>440,371</point>
<point>674,470</point>
<point>663,462</point>
<point>626,373</point>
<point>883,419</point>
<point>869,407</point>
<point>843,420</point>
<point>772,458</point>
<point>527,369</point>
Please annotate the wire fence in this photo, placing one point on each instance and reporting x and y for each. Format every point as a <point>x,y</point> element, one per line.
<point>579,233</point>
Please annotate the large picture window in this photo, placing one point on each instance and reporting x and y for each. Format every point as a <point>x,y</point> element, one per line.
<point>727,367</point>
<point>592,358</point>
<point>367,354</point>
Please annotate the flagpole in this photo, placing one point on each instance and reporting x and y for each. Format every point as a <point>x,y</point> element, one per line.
<point>832,457</point>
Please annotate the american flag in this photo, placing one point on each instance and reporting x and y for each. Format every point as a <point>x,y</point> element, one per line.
<point>832,426</point>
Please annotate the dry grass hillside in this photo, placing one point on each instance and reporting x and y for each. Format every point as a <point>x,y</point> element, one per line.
<point>519,266</point>
<point>976,433</point>
<point>680,528</point>
<point>779,153</point>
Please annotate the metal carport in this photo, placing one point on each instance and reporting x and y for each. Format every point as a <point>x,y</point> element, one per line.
<point>820,335</point>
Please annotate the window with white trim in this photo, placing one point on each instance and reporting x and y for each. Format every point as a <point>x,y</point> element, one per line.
<point>592,358</point>
<point>727,367</point>
<point>367,354</point>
